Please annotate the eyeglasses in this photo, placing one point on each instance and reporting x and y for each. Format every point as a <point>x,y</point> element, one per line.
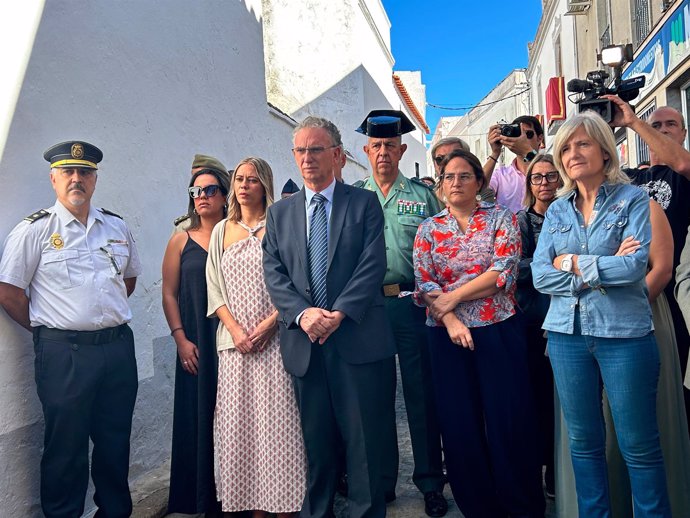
<point>209,191</point>
<point>529,134</point>
<point>316,150</point>
<point>537,179</point>
<point>462,178</point>
<point>67,172</point>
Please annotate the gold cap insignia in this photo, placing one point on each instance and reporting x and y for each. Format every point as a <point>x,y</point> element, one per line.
<point>77,151</point>
<point>56,241</point>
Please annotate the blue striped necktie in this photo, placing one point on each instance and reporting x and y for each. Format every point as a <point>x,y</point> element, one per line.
<point>318,251</point>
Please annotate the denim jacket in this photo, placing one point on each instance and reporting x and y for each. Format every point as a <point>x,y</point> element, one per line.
<point>611,294</point>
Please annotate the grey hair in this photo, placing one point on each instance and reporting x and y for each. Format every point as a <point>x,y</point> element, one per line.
<point>320,122</point>
<point>597,129</point>
<point>449,140</point>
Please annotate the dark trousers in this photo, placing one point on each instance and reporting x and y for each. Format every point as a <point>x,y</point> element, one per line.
<point>486,413</point>
<point>542,383</point>
<point>86,391</point>
<point>341,400</point>
<point>409,330</point>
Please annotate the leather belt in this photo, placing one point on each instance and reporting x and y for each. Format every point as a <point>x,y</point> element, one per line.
<point>100,337</point>
<point>393,290</point>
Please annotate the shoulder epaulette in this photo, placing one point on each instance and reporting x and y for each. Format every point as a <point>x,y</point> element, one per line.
<point>417,181</point>
<point>360,183</point>
<point>110,213</point>
<point>36,216</point>
<point>180,219</point>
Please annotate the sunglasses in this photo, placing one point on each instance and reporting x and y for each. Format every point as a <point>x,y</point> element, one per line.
<point>439,159</point>
<point>529,134</point>
<point>550,177</point>
<point>209,191</point>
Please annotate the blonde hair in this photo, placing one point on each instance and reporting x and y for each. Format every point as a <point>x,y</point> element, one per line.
<point>265,174</point>
<point>597,129</point>
<point>529,195</point>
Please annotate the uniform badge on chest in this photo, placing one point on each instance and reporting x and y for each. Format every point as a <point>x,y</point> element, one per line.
<point>417,208</point>
<point>57,241</point>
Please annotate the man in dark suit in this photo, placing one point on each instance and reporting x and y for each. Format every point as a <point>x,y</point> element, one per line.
<point>324,261</point>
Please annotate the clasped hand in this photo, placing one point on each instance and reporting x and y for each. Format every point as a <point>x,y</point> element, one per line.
<point>319,323</point>
<point>440,304</point>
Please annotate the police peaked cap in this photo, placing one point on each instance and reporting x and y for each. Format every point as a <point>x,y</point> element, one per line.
<point>73,153</point>
<point>208,162</point>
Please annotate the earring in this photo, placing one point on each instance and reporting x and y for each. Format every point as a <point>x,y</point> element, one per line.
<point>478,197</point>
<point>194,211</point>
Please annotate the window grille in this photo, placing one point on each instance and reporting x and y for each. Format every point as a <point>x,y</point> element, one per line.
<point>641,145</point>
<point>640,21</point>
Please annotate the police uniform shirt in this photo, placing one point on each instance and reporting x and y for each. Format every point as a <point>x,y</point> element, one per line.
<point>75,274</point>
<point>408,204</point>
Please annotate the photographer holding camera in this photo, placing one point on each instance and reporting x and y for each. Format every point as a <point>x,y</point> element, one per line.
<point>524,136</point>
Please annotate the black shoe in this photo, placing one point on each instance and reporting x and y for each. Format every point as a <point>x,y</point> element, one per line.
<point>389,496</point>
<point>435,504</point>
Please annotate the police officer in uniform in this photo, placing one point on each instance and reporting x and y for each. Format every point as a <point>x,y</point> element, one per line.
<point>406,203</point>
<point>200,162</point>
<point>65,275</point>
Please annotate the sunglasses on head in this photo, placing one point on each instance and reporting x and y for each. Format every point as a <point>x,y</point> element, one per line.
<point>209,191</point>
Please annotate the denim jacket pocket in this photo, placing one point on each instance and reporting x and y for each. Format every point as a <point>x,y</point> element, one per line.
<point>561,233</point>
<point>613,235</point>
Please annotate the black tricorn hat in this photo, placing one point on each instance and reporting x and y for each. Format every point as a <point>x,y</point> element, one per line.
<point>385,124</point>
<point>73,153</point>
<point>290,187</point>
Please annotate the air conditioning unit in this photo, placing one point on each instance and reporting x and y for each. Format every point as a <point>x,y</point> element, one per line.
<point>576,7</point>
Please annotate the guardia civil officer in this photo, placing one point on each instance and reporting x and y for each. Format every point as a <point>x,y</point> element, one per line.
<point>406,203</point>
<point>65,275</point>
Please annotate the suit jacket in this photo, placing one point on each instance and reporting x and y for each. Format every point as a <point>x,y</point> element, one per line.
<point>356,266</point>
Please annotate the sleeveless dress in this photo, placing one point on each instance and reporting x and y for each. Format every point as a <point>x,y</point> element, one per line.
<point>192,488</point>
<point>260,460</point>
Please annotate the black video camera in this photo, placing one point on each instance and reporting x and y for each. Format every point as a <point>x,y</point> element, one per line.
<point>594,87</point>
<point>511,130</point>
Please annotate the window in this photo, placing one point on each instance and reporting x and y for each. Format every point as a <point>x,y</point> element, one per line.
<point>641,145</point>
<point>604,22</point>
<point>640,19</point>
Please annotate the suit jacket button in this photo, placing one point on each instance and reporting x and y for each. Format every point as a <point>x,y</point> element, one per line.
<point>308,291</point>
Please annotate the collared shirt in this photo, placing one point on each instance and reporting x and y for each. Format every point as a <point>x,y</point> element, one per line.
<point>406,206</point>
<point>509,184</point>
<point>445,258</point>
<point>309,206</point>
<point>74,274</point>
<point>611,294</point>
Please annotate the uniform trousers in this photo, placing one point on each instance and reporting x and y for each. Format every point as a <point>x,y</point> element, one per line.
<point>486,412</point>
<point>342,401</point>
<point>86,391</point>
<point>409,329</point>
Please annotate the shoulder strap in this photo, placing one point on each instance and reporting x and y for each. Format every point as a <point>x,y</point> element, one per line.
<point>110,213</point>
<point>36,216</point>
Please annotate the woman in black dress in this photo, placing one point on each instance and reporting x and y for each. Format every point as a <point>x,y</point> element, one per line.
<point>192,487</point>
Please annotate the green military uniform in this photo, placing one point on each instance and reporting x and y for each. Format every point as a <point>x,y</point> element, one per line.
<point>409,202</point>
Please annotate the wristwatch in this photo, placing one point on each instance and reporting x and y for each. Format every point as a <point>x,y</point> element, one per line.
<point>567,263</point>
<point>529,156</point>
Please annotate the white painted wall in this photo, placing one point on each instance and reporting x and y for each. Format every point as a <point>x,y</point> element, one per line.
<point>151,86</point>
<point>337,64</point>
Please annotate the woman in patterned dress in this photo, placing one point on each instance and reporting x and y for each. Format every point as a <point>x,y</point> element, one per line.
<point>192,488</point>
<point>260,463</point>
<point>466,261</point>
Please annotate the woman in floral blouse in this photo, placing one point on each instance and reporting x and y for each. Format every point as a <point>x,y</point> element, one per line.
<point>466,261</point>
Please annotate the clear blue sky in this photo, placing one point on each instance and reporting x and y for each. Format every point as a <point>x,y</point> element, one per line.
<point>463,47</point>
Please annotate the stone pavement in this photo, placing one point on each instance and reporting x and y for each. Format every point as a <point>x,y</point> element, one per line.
<point>151,492</point>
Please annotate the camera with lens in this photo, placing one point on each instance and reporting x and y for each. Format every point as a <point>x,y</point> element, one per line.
<point>594,86</point>
<point>510,130</point>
